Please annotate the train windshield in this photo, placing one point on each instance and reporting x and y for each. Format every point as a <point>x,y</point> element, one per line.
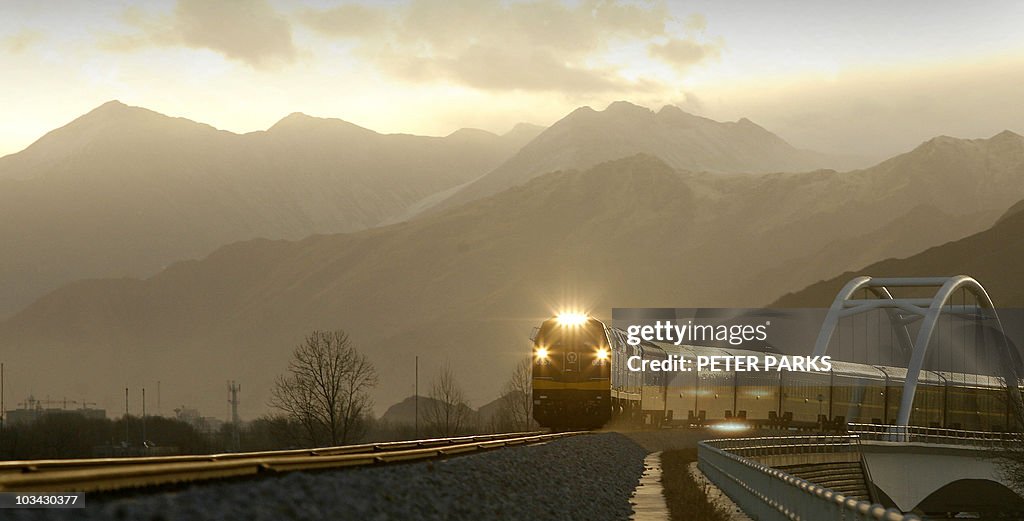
<point>572,351</point>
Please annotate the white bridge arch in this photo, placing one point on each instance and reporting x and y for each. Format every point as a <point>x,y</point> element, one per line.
<point>903,311</point>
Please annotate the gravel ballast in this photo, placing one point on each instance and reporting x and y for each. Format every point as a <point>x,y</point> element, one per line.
<point>587,477</point>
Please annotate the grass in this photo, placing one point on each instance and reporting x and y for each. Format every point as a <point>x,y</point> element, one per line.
<point>686,498</point>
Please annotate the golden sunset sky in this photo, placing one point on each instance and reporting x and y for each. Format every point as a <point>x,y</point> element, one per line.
<point>870,78</point>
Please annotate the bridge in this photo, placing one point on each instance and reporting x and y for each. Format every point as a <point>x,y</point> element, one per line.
<point>874,472</point>
<point>974,318</point>
<point>937,470</point>
<point>901,470</point>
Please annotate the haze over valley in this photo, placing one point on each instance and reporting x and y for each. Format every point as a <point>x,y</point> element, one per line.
<point>436,178</point>
<point>124,191</point>
<point>155,248</point>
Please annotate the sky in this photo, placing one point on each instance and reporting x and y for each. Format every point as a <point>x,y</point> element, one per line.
<point>867,78</point>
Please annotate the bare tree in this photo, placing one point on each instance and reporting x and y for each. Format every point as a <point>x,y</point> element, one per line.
<point>293,396</point>
<point>516,406</point>
<point>326,388</point>
<point>447,412</point>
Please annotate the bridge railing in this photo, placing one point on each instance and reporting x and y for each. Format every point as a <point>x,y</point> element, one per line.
<point>770,494</point>
<point>785,445</point>
<point>904,434</point>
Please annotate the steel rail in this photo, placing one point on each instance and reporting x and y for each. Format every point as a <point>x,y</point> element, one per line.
<point>129,473</point>
<point>22,466</point>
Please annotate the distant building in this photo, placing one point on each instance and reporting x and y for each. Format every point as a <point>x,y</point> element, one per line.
<point>23,416</point>
<point>31,410</point>
<point>204,424</point>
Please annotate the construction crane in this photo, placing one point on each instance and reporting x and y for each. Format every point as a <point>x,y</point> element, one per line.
<point>32,403</point>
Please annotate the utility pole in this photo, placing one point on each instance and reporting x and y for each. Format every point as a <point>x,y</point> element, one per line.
<point>3,411</point>
<point>144,445</point>
<point>158,413</point>
<point>416,398</point>
<point>233,390</point>
<point>127,440</point>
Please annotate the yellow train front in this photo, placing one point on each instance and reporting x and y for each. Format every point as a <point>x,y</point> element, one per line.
<point>571,373</point>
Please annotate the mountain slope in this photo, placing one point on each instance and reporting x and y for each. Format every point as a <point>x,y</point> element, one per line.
<point>989,256</point>
<point>124,191</point>
<point>468,284</point>
<point>587,137</point>
<point>944,189</point>
<point>431,287</point>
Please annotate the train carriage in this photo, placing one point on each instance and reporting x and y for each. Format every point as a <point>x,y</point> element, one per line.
<point>857,393</point>
<point>653,408</point>
<point>805,397</point>
<point>757,397</point>
<point>681,395</point>
<point>929,399</point>
<point>976,402</point>
<point>582,379</point>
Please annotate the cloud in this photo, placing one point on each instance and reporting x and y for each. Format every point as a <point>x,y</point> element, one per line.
<point>683,53</point>
<point>344,20</point>
<point>690,102</point>
<point>250,31</point>
<point>696,22</point>
<point>880,111</point>
<point>21,41</point>
<point>533,45</point>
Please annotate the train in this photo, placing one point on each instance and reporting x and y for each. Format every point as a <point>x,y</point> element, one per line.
<point>581,380</point>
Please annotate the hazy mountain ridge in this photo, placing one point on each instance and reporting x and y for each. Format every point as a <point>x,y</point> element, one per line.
<point>944,189</point>
<point>124,191</point>
<point>111,121</point>
<point>587,137</point>
<point>405,411</point>
<point>955,174</point>
<point>1012,211</point>
<point>987,256</point>
<point>248,300</point>
<point>467,284</point>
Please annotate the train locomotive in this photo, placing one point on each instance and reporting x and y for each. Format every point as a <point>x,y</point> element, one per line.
<point>581,380</point>
<point>572,385</point>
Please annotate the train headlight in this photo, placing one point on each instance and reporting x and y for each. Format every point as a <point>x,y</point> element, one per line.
<point>602,354</point>
<point>542,353</point>
<point>572,319</point>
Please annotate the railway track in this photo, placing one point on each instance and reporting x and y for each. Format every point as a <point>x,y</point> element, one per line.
<point>109,474</point>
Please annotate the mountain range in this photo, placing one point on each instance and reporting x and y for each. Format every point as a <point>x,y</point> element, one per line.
<point>587,137</point>
<point>467,283</point>
<point>944,189</point>
<point>124,191</point>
